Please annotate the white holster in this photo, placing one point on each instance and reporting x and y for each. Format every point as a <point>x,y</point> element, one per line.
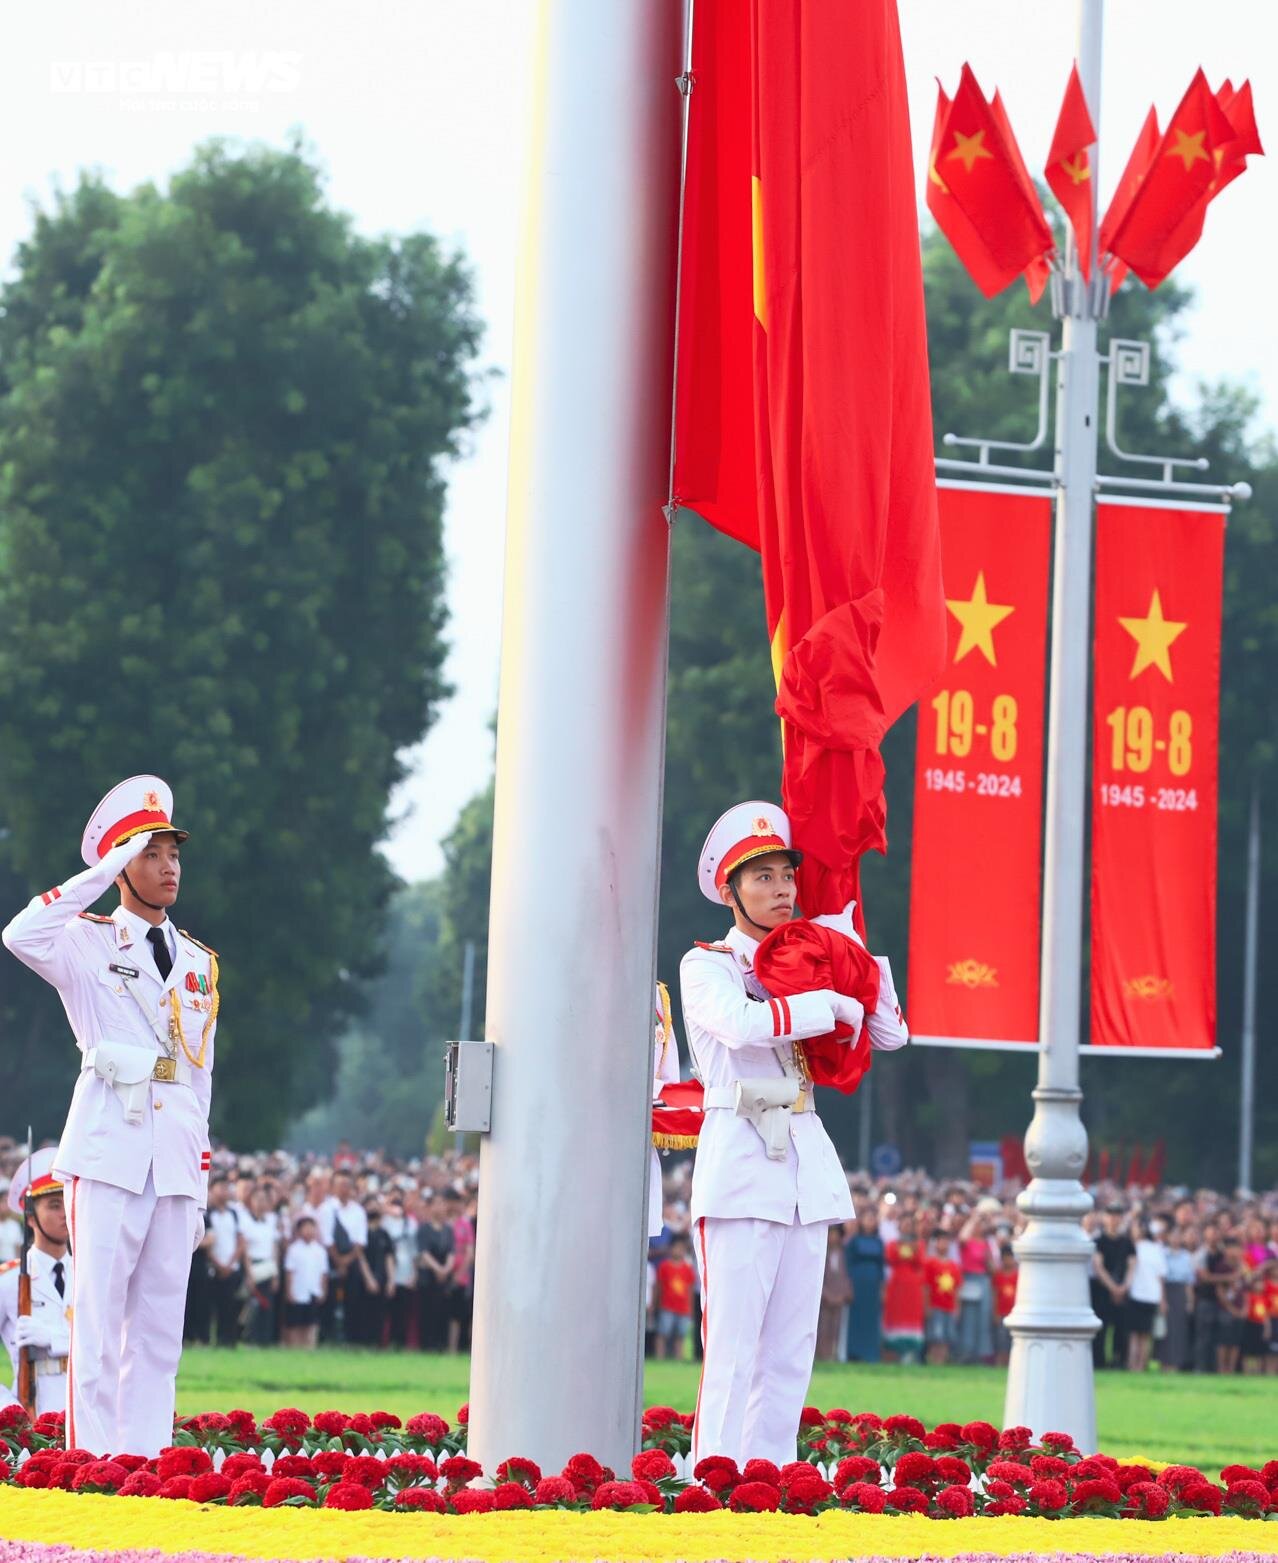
<point>768,1105</point>
<point>127,1070</point>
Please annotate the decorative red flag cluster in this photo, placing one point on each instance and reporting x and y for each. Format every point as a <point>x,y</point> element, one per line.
<point>1159,575</point>
<point>803,424</point>
<point>978,781</point>
<point>1157,212</point>
<point>981,194</point>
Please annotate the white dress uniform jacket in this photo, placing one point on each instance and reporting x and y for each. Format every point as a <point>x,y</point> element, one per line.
<point>733,1036</point>
<point>52,1311</point>
<point>76,954</point>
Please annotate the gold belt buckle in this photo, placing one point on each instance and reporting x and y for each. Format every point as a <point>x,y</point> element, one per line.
<point>165,1069</point>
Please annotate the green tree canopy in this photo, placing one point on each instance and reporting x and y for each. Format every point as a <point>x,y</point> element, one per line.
<point>224,419</point>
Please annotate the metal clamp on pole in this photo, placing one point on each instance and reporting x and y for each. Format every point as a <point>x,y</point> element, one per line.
<point>468,1087</point>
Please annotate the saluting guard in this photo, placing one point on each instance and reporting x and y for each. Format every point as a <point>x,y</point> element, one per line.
<point>767,1182</point>
<point>44,1330</point>
<point>142,1000</point>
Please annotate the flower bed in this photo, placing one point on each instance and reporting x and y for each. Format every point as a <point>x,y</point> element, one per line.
<point>862,1465</point>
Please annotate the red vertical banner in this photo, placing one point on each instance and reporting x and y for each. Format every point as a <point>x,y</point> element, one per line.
<point>1159,581</point>
<point>978,782</point>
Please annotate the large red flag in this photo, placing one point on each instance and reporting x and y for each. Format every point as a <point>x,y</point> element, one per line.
<point>1164,218</point>
<point>800,182</point>
<point>1069,168</point>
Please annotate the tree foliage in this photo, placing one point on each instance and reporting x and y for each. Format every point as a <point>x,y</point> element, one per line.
<point>223,423</point>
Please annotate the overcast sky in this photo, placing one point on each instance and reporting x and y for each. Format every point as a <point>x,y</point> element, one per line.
<point>416,108</point>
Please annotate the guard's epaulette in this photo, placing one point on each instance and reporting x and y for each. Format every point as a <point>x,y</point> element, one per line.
<point>93,917</point>
<point>718,949</point>
<point>198,943</point>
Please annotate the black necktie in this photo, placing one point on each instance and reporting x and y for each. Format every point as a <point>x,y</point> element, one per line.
<point>155,938</point>
<point>59,1280</point>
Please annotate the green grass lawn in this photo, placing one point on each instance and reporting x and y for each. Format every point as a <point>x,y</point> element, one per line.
<point>1205,1421</point>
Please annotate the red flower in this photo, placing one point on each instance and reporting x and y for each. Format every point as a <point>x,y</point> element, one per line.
<point>204,1489</point>
<point>940,1442</point>
<point>510,1495</point>
<point>906,1500</point>
<point>235,1465</point>
<point>463,1414</point>
<point>329,1462</point>
<point>412,1468</point>
<point>696,1500</point>
<point>472,1500</point>
<point>981,1434</point>
<point>1059,1441</point>
<point>63,1474</point>
<point>1177,1476</point>
<point>659,1416</point>
<point>1147,1500</point>
<point>584,1472</point>
<point>915,1468</point>
<point>1046,1467</point>
<point>99,1476</point>
<point>458,1471</point>
<point>140,1484</point>
<point>130,1462</point>
<point>1128,1476</point>
<point>427,1426</point>
<point>652,1465</point>
<point>868,1497</point>
<point>283,1487</point>
<point>855,1468</point>
<point>363,1425</point>
<point>381,1419</point>
<point>249,1488</point>
<point>953,1471</point>
<point>805,1492</point>
<point>1014,1439</point>
<point>371,1472</point>
<point>421,1498</point>
<point>1248,1498</point>
<point>1048,1495</point>
<point>1241,1473</point>
<point>838,1415</point>
<point>904,1427</point>
<point>331,1423</point>
<point>955,1503</point>
<point>213,1422</point>
<point>49,1424</point>
<point>1095,1496</point>
<point>1007,1506</point>
<point>762,1471</point>
<point>999,1489</point>
<point>618,1495</point>
<point>1268,1471</point>
<point>288,1422</point>
<point>289,1465</point>
<point>686,1419</point>
<point>176,1487</point>
<point>347,1495</point>
<point>1201,1495</point>
<point>811,1417</point>
<point>182,1462</point>
<point>754,1498</point>
<point>244,1424</point>
<point>517,1469</point>
<point>718,1466</point>
<point>555,1490</point>
<point>33,1475</point>
<point>1094,1469</point>
<point>867,1421</point>
<point>1011,1471</point>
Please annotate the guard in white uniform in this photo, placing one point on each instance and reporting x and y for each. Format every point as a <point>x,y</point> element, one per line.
<point>142,1001</point>
<point>46,1330</point>
<point>767,1182</point>
<point>665,1069</point>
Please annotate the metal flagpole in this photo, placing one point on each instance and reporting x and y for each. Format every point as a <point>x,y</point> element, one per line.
<point>1049,1382</point>
<point>1246,1125</point>
<point>558,1332</point>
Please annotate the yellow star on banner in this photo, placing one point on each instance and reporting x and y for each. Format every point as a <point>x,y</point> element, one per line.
<point>969,149</point>
<point>978,618</point>
<point>1154,636</point>
<point>1189,148</point>
<point>1078,168</point>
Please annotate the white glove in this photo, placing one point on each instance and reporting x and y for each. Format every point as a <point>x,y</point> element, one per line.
<point>119,858</point>
<point>198,1237</point>
<point>849,1011</point>
<point>30,1330</point>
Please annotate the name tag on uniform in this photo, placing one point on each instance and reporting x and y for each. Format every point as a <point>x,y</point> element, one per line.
<point>124,971</point>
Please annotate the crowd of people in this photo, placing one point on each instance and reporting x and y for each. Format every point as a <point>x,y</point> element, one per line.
<point>370,1250</point>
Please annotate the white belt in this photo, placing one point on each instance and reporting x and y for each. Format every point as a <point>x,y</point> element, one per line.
<point>768,1105</point>
<point>727,1097</point>
<point>164,1070</point>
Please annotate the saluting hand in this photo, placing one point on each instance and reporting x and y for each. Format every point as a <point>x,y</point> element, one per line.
<point>120,857</point>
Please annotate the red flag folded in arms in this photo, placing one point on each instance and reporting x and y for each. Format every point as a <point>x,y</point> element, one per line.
<point>1157,214</point>
<point>1069,168</point>
<point>798,957</point>
<point>981,195</point>
<point>803,423</point>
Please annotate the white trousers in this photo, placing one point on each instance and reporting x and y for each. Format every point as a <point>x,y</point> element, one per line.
<point>132,1260</point>
<point>760,1298</point>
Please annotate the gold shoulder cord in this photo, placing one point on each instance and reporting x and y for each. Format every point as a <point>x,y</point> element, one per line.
<point>196,1060</point>
<point>667,1019</point>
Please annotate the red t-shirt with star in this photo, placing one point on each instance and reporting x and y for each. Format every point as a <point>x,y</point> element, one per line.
<point>675,1278</point>
<point>1004,1292</point>
<point>943,1280</point>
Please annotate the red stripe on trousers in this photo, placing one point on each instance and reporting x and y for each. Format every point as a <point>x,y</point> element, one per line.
<point>70,1430</point>
<point>705,1317</point>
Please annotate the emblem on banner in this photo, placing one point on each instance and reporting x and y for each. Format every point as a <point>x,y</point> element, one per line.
<point>1149,988</point>
<point>971,974</point>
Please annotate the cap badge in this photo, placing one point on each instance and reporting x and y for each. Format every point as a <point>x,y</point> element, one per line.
<point>762,827</point>
<point>151,800</point>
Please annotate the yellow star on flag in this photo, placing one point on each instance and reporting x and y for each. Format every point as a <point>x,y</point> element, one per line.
<point>1189,148</point>
<point>978,618</point>
<point>1154,636</point>
<point>969,149</point>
